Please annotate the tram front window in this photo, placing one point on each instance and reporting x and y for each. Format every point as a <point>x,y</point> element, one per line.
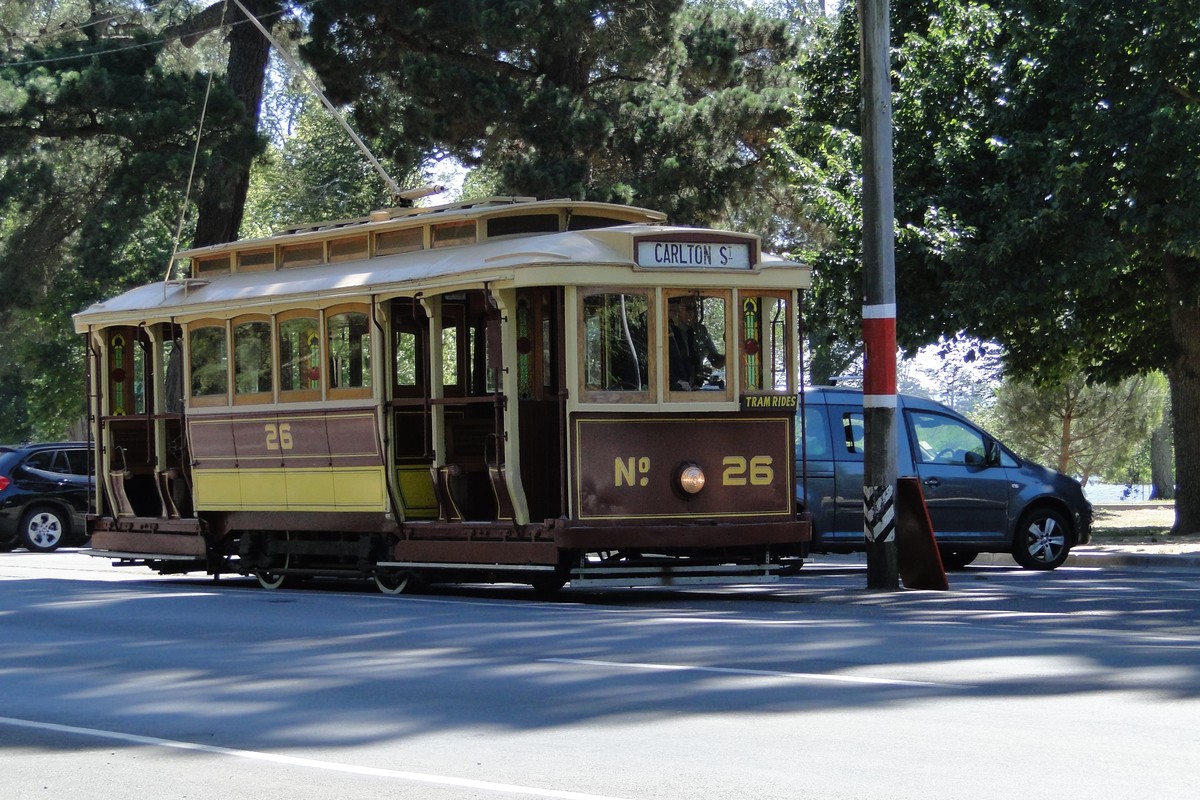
<point>696,342</point>
<point>615,354</point>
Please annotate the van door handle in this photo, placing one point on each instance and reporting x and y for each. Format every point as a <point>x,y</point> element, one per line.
<point>933,482</point>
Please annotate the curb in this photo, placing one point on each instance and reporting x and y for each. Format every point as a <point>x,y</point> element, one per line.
<point>1083,557</point>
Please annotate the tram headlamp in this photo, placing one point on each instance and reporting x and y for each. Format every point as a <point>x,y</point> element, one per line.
<point>691,478</point>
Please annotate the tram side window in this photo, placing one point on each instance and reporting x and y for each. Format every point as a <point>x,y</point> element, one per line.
<point>252,358</point>
<point>764,343</point>
<point>173,370</point>
<point>349,350</point>
<point>615,349</point>
<point>300,357</point>
<point>209,361</point>
<point>410,331</point>
<point>450,351</point>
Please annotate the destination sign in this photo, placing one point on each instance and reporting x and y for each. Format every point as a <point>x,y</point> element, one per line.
<point>717,255</point>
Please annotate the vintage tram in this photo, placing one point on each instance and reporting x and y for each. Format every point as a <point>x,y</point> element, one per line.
<point>505,389</point>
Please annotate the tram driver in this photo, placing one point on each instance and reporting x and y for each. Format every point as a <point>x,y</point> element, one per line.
<point>692,355</point>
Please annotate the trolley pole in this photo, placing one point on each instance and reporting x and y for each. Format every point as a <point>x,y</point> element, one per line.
<point>879,299</point>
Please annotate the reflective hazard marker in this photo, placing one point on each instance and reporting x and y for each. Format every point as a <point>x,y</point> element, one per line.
<point>879,505</point>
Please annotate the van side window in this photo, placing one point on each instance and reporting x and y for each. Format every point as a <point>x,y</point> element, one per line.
<point>938,439</point>
<point>854,431</point>
<point>817,445</point>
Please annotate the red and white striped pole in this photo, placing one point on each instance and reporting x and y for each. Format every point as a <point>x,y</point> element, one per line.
<point>879,300</point>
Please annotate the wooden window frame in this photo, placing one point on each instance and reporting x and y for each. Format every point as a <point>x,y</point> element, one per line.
<point>696,395</point>
<point>790,304</point>
<point>589,395</point>
<point>353,392</point>
<point>306,394</point>
<point>207,400</point>
<point>253,398</point>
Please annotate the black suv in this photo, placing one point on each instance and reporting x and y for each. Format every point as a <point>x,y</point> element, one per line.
<point>45,491</point>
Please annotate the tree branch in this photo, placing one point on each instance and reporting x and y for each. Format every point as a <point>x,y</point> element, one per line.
<point>1189,96</point>
<point>197,26</point>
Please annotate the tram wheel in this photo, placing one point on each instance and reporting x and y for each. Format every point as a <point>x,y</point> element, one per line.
<point>274,576</point>
<point>548,584</point>
<point>393,582</point>
<point>269,579</point>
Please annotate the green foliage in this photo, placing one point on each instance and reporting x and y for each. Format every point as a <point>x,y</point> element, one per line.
<point>1082,429</point>
<point>96,140</point>
<point>1046,162</point>
<point>316,174</point>
<point>657,103</point>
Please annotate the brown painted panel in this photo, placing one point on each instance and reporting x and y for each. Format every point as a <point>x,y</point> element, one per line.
<point>317,439</point>
<point>212,442</point>
<point>626,466</point>
<point>158,543</point>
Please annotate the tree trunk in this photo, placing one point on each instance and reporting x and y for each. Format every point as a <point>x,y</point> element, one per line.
<point>222,200</point>
<point>1184,376</point>
<point>1064,445</point>
<point>1162,473</point>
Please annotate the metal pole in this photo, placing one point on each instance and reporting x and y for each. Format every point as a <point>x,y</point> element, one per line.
<point>879,299</point>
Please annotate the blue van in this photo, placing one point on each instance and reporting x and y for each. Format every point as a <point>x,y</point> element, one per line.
<point>982,498</point>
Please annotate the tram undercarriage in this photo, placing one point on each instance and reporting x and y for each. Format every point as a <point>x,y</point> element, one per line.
<point>427,553</point>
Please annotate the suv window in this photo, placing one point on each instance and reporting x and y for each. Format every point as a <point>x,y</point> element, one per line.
<point>78,461</point>
<point>47,461</point>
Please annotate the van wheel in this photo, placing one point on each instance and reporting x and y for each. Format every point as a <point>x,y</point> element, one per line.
<point>957,559</point>
<point>43,529</point>
<point>1043,539</point>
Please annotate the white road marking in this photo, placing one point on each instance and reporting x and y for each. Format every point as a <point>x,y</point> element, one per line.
<point>310,763</point>
<point>804,676</point>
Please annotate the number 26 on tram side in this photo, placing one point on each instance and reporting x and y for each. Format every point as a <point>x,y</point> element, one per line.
<point>502,390</point>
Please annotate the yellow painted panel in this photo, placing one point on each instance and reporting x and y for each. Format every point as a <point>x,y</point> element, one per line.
<point>217,489</point>
<point>303,489</point>
<point>360,489</point>
<point>263,490</point>
<point>416,492</point>
<point>310,489</point>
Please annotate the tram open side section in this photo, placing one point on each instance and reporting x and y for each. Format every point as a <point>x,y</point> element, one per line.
<point>524,414</point>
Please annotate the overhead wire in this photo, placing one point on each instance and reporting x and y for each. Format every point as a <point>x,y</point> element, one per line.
<point>141,45</point>
<point>187,193</point>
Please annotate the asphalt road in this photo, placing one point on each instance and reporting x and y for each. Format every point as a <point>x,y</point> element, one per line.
<point>1081,683</point>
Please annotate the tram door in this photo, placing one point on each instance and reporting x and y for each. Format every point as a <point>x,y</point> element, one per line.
<point>145,470</point>
<point>471,472</point>
<point>410,409</point>
<point>541,400</point>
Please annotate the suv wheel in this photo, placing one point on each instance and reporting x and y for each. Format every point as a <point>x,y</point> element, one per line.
<point>43,529</point>
<point>1043,539</point>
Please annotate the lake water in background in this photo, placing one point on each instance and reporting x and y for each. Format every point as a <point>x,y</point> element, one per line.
<point>1101,493</point>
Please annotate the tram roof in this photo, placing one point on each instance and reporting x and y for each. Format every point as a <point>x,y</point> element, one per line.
<point>495,260</point>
